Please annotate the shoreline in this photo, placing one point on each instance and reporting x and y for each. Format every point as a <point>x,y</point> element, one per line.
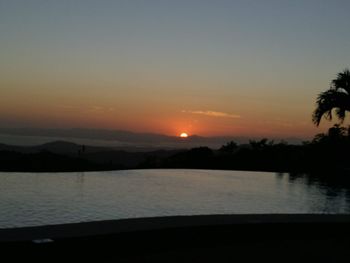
<point>343,171</point>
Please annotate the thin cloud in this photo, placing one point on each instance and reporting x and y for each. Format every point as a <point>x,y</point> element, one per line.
<point>99,109</point>
<point>213,114</point>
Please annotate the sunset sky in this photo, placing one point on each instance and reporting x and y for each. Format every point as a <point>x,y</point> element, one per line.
<point>223,67</point>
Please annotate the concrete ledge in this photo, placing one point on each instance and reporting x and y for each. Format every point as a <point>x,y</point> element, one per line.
<point>111,227</point>
<point>207,238</point>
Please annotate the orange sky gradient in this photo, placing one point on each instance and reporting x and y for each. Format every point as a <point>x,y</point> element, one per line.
<point>218,68</point>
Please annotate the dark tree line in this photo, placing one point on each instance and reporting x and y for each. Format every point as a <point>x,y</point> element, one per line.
<point>326,152</point>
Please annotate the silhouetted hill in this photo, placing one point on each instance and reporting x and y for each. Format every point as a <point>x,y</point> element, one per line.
<point>127,140</point>
<point>326,153</point>
<point>66,156</point>
<point>61,147</point>
<point>46,162</point>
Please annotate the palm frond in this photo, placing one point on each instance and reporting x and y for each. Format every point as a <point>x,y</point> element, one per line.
<point>342,82</point>
<point>329,100</point>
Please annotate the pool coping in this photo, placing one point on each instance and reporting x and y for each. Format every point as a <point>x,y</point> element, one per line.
<point>48,233</point>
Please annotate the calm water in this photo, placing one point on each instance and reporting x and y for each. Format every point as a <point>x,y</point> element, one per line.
<point>28,199</point>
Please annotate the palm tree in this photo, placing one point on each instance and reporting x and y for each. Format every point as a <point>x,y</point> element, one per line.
<point>337,97</point>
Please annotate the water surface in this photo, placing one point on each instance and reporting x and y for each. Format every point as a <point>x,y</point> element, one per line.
<point>28,199</point>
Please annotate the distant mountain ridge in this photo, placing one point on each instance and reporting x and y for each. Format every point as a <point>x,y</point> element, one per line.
<point>263,155</point>
<point>67,156</point>
<point>128,138</point>
<point>60,147</point>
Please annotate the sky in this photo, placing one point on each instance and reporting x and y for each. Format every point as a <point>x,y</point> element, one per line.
<point>223,67</point>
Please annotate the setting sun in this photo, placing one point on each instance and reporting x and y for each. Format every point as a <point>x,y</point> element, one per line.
<point>184,135</point>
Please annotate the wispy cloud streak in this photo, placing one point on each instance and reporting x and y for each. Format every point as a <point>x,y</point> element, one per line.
<point>213,114</point>
<point>100,109</point>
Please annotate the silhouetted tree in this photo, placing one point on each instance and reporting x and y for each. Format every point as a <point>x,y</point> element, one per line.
<point>260,145</point>
<point>337,97</point>
<point>335,134</point>
<point>229,147</point>
<point>317,139</point>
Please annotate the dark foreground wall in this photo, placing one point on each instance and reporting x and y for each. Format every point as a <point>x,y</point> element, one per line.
<point>214,238</point>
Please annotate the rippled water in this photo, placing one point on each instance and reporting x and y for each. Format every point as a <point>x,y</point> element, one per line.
<point>28,199</point>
